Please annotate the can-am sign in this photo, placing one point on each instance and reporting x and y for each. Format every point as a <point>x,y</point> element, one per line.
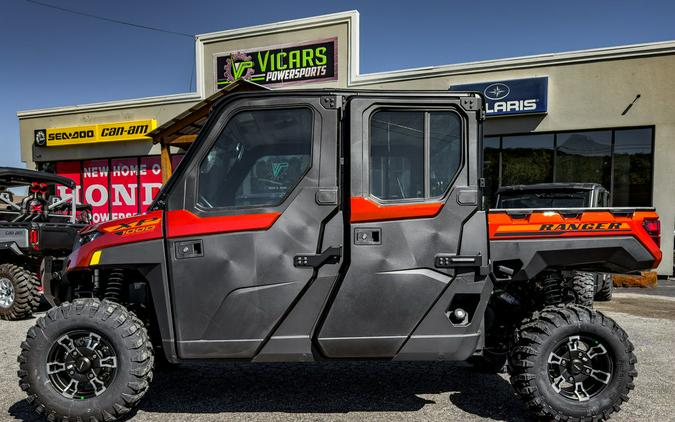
<point>92,134</point>
<point>310,61</point>
<point>517,96</point>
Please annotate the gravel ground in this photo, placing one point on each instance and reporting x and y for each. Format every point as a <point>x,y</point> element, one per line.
<point>371,391</point>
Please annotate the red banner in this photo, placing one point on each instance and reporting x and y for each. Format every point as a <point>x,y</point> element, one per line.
<point>115,188</point>
<point>123,188</point>
<point>95,188</point>
<point>71,170</point>
<point>151,180</point>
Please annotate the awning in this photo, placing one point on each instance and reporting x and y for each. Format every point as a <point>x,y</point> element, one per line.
<point>182,130</point>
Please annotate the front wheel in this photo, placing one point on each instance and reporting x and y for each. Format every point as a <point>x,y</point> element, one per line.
<point>572,363</point>
<point>87,360</point>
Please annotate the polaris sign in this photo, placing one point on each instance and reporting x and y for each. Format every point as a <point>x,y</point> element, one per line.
<point>517,96</point>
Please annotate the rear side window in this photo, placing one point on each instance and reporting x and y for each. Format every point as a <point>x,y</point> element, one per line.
<point>257,160</point>
<point>413,154</point>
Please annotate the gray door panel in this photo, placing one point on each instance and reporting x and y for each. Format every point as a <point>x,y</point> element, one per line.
<point>393,284</point>
<point>229,300</point>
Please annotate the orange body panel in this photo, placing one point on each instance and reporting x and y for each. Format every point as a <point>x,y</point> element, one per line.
<point>591,223</point>
<point>184,223</point>
<point>138,228</point>
<point>364,209</point>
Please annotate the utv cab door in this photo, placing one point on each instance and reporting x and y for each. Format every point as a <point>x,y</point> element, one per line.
<point>417,241</point>
<point>253,229</point>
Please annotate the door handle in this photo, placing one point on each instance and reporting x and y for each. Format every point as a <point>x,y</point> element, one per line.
<point>368,236</point>
<point>331,255</point>
<point>189,249</point>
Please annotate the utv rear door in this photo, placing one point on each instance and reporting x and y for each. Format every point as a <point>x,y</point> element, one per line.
<point>417,240</point>
<point>245,222</point>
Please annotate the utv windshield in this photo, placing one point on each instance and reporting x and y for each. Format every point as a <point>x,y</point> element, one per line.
<point>513,200</point>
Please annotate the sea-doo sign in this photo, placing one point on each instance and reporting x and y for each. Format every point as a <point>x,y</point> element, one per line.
<point>279,65</point>
<point>91,134</point>
<point>517,96</point>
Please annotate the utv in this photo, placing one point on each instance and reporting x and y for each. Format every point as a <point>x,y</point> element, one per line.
<point>330,225</point>
<point>583,286</point>
<point>32,228</point>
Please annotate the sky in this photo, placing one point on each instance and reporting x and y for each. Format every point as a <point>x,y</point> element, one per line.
<point>51,58</point>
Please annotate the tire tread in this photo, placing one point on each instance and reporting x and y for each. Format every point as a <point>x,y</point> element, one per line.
<point>26,297</point>
<point>135,337</point>
<point>529,337</point>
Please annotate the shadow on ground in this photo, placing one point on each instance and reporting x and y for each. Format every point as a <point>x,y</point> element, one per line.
<point>324,388</point>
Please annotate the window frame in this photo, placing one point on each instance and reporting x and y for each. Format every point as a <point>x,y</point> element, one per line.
<point>426,109</point>
<point>225,120</point>
<point>555,133</point>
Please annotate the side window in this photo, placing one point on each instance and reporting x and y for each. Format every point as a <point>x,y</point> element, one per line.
<point>445,150</point>
<point>399,143</point>
<point>397,154</point>
<point>257,159</point>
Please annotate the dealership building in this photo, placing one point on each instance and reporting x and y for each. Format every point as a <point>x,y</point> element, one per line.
<point>603,115</point>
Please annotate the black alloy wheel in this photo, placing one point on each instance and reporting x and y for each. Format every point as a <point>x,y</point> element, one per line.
<point>89,360</point>
<point>580,367</point>
<point>81,364</point>
<point>572,363</point>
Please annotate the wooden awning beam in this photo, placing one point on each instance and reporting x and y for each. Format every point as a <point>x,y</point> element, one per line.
<point>183,139</point>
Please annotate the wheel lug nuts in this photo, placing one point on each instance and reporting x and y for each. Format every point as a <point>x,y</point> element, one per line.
<point>91,376</point>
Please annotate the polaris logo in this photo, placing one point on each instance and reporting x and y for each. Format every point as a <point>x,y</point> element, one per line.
<point>511,106</point>
<point>497,91</point>
<point>515,96</point>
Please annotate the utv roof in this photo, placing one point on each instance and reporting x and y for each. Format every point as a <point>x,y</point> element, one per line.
<point>11,177</point>
<point>550,186</point>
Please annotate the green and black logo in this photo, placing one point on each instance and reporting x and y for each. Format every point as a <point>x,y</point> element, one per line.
<point>279,65</point>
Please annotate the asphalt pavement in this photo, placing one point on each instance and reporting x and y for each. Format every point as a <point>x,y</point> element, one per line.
<point>375,391</point>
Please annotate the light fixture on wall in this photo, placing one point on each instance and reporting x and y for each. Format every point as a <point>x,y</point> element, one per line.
<point>630,105</point>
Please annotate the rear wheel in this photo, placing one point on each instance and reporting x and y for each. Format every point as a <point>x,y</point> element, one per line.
<point>583,286</point>
<point>87,360</point>
<point>605,292</point>
<point>18,292</point>
<point>572,363</point>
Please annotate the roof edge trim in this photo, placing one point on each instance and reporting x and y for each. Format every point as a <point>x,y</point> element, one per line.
<point>111,105</point>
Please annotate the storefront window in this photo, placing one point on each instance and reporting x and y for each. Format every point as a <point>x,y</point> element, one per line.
<point>584,157</point>
<point>621,160</point>
<point>527,159</point>
<point>632,167</point>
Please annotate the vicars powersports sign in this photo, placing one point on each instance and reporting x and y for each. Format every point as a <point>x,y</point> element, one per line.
<point>517,96</point>
<point>310,61</point>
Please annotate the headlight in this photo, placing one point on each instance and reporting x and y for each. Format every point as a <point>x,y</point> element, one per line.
<point>84,238</point>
